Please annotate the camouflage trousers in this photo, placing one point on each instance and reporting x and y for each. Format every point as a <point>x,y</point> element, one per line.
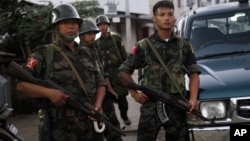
<point>121,91</point>
<point>109,109</point>
<point>68,130</point>
<point>150,124</point>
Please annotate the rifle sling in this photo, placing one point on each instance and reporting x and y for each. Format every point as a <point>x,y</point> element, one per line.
<point>164,65</point>
<point>72,67</point>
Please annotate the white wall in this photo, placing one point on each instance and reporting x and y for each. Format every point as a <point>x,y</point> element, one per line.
<point>135,6</point>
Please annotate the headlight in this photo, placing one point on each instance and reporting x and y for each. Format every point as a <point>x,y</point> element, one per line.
<point>213,109</point>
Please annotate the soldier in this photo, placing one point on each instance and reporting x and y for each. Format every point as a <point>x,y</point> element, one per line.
<point>113,53</point>
<point>177,55</point>
<point>60,122</point>
<point>87,36</point>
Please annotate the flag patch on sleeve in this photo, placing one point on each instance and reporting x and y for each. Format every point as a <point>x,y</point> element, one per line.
<point>134,49</point>
<point>31,63</point>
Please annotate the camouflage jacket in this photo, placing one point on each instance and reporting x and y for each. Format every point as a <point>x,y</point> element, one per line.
<point>111,50</point>
<point>142,57</point>
<point>62,73</point>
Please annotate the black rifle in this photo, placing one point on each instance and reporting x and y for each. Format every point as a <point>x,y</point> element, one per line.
<point>77,102</point>
<point>179,101</point>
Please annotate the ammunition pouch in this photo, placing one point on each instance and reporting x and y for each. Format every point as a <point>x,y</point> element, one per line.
<point>161,111</point>
<point>68,114</point>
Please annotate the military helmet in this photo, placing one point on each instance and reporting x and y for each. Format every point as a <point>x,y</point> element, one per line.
<point>64,11</point>
<point>102,19</point>
<point>88,26</point>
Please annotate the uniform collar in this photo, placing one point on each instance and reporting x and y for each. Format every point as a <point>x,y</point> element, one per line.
<point>156,37</point>
<point>65,47</point>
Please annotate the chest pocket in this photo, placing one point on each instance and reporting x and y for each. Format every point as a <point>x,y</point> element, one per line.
<point>110,56</point>
<point>57,70</point>
<point>154,72</point>
<point>86,66</point>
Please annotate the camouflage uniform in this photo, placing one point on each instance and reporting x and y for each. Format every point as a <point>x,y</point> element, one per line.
<point>154,75</point>
<point>108,106</point>
<point>65,122</point>
<point>112,56</point>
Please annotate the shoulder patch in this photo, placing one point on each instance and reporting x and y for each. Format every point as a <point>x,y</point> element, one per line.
<point>134,49</point>
<point>31,63</point>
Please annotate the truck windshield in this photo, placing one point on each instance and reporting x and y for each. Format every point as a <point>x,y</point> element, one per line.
<point>230,28</point>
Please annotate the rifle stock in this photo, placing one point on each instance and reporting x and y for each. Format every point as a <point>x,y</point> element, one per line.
<point>179,102</point>
<point>77,102</point>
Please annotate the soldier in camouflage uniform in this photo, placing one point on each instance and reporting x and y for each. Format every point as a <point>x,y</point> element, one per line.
<point>153,74</point>
<point>87,36</point>
<point>113,53</point>
<point>59,121</point>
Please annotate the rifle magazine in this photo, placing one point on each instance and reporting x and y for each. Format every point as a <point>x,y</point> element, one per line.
<point>161,110</point>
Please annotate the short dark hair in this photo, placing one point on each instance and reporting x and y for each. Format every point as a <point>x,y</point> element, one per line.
<point>162,4</point>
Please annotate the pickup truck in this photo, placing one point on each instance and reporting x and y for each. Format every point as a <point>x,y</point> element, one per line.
<point>220,37</point>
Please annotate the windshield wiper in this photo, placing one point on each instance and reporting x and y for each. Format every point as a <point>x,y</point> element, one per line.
<point>221,54</point>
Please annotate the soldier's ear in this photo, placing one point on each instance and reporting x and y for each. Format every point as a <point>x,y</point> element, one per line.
<point>153,19</point>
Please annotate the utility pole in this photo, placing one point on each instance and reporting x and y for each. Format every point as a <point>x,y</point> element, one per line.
<point>128,26</point>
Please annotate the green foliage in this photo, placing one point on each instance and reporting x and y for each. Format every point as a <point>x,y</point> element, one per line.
<point>87,9</point>
<point>23,24</point>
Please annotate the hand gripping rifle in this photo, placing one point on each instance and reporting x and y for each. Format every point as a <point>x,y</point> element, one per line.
<point>179,102</point>
<point>77,102</point>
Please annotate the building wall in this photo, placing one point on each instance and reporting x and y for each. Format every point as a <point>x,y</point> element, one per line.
<point>183,5</point>
<point>142,28</point>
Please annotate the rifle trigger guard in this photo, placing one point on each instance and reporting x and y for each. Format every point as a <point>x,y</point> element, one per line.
<point>97,129</point>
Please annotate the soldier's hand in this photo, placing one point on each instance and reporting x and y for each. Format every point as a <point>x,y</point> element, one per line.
<point>113,93</point>
<point>97,110</point>
<point>193,104</point>
<point>58,98</point>
<point>140,97</point>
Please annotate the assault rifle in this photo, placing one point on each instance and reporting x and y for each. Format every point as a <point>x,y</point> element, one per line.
<point>179,101</point>
<point>77,102</point>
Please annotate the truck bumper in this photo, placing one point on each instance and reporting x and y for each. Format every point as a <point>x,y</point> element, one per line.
<point>210,134</point>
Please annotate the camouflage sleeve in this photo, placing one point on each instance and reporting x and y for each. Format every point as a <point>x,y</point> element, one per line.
<point>135,60</point>
<point>191,63</point>
<point>100,80</point>
<point>122,48</point>
<point>35,62</point>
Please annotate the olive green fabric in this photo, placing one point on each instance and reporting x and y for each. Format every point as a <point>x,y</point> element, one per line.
<point>75,126</point>
<point>113,53</point>
<point>108,106</point>
<point>153,74</point>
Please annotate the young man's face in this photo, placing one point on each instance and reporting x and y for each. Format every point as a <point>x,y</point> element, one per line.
<point>103,27</point>
<point>164,18</point>
<point>89,37</point>
<point>68,27</point>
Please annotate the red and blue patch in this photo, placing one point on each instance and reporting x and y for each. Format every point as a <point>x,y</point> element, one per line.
<point>31,63</point>
<point>134,49</point>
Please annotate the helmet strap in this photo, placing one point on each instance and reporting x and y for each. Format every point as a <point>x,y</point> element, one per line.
<point>67,38</point>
